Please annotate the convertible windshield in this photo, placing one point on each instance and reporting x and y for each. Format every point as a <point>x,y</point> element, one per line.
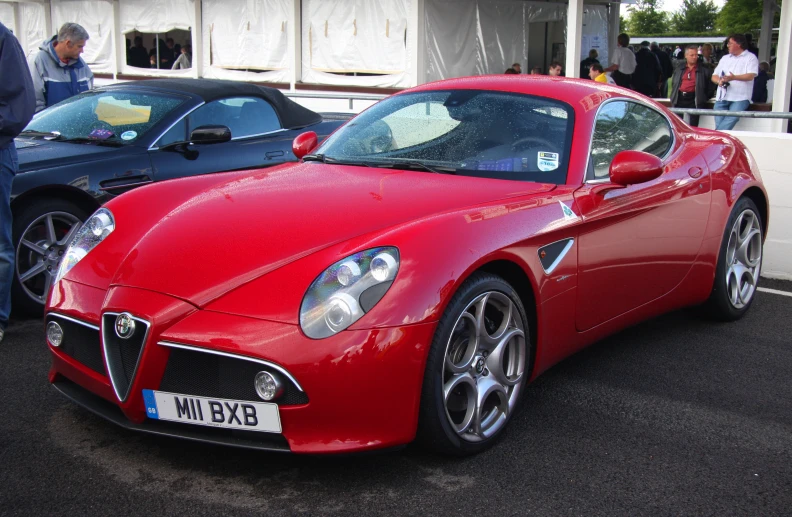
<point>121,117</point>
<point>465,132</point>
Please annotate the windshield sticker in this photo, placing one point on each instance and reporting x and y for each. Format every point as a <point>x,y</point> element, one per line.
<point>128,135</point>
<point>100,134</point>
<point>569,215</point>
<point>547,161</point>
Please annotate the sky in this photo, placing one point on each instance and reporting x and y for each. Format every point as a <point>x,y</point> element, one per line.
<point>674,5</point>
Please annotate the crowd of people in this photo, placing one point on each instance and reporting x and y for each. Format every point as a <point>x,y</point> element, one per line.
<point>172,56</point>
<point>689,77</point>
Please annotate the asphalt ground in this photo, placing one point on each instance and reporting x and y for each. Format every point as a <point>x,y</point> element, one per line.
<point>677,416</point>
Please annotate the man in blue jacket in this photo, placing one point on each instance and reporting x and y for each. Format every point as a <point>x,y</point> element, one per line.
<point>17,102</point>
<point>58,70</point>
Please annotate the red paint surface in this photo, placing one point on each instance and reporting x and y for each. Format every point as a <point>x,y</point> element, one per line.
<point>223,261</point>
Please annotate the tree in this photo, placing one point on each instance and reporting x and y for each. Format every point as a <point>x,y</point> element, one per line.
<point>695,16</point>
<point>741,16</point>
<point>646,18</point>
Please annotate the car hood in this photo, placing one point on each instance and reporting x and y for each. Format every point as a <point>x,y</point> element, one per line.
<point>228,232</point>
<point>41,154</point>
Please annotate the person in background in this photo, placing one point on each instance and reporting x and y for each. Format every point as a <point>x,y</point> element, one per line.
<point>623,62</point>
<point>586,63</point>
<point>749,44</point>
<point>185,59</point>
<point>760,83</point>
<point>647,71</point>
<point>537,70</point>
<point>57,69</point>
<point>170,54</point>
<point>17,104</point>
<point>517,68</point>
<point>510,71</point>
<point>666,67</point>
<point>690,83</point>
<point>734,76</point>
<point>138,55</point>
<point>706,55</point>
<point>555,69</point>
<point>597,73</point>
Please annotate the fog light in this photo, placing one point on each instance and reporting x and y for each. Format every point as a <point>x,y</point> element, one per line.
<point>54,333</point>
<point>268,387</point>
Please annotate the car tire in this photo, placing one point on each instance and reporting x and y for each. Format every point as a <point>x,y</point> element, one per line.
<point>739,263</point>
<point>492,367</point>
<point>31,222</point>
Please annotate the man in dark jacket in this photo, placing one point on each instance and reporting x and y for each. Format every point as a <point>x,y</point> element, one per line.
<point>138,55</point>
<point>666,68</point>
<point>58,70</point>
<point>647,71</point>
<point>690,85</point>
<point>17,103</point>
<point>760,83</point>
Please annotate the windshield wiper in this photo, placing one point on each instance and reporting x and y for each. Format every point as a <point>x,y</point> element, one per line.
<point>97,141</point>
<point>44,134</point>
<point>333,161</point>
<point>418,165</point>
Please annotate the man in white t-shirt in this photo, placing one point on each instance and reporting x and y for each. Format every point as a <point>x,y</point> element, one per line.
<point>734,76</point>
<point>623,62</point>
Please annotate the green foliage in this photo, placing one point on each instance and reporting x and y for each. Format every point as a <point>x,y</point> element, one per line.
<point>624,24</point>
<point>695,16</point>
<point>647,18</point>
<point>741,16</point>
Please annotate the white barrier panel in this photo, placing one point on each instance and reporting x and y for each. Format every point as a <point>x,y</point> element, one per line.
<point>773,153</point>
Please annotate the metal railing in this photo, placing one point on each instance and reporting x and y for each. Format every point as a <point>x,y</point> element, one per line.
<point>340,96</point>
<point>726,113</point>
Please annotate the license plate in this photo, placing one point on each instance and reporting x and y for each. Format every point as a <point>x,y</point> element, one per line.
<point>212,412</point>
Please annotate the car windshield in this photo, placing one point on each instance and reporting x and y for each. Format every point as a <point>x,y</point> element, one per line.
<point>466,132</point>
<point>112,116</point>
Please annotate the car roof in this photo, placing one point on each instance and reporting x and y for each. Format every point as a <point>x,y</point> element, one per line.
<point>581,93</point>
<point>292,115</point>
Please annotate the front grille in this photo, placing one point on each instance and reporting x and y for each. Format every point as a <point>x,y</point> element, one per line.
<point>81,342</point>
<point>123,355</point>
<point>192,372</point>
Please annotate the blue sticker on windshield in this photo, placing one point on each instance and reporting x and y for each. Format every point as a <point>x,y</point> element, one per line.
<point>100,134</point>
<point>128,135</point>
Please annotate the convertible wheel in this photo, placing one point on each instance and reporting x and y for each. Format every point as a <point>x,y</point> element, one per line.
<point>476,369</point>
<point>42,232</point>
<point>739,263</point>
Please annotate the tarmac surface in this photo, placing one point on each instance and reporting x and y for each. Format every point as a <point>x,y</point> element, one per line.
<point>677,416</point>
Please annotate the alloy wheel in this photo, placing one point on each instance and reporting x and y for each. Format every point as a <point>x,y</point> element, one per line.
<point>743,259</point>
<point>484,366</point>
<point>40,251</point>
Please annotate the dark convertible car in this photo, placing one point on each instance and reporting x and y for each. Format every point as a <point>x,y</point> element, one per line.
<point>82,152</point>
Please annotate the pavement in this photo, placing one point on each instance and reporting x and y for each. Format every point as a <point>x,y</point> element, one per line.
<point>676,416</point>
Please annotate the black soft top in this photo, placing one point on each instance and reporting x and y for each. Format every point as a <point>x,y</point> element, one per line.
<point>292,115</point>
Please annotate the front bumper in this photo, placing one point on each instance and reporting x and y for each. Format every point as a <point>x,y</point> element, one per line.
<point>362,387</point>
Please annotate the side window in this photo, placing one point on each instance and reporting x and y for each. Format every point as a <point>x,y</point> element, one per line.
<point>624,125</point>
<point>244,116</point>
<point>177,133</point>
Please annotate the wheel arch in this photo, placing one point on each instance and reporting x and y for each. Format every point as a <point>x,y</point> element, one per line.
<point>72,194</point>
<point>756,195</point>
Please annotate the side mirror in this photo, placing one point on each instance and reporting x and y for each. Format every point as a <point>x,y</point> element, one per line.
<point>632,167</point>
<point>210,134</point>
<point>304,144</point>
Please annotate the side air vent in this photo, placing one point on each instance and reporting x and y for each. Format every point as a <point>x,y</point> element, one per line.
<point>123,338</point>
<point>552,254</point>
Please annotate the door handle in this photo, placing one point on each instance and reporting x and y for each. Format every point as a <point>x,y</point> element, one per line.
<point>273,154</point>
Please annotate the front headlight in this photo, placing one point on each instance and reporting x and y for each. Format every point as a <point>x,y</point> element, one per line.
<point>95,230</point>
<point>347,290</point>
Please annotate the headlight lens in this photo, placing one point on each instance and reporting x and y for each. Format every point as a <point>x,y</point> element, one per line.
<point>95,230</point>
<point>347,290</point>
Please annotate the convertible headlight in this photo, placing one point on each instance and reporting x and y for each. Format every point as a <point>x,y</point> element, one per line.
<point>347,290</point>
<point>95,230</point>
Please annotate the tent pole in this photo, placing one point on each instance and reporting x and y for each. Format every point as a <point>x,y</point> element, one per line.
<point>783,78</point>
<point>574,38</point>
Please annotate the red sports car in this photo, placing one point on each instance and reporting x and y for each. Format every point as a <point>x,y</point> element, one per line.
<point>410,276</point>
